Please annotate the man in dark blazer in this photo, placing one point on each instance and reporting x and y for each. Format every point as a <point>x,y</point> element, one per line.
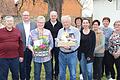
<point>54,26</point>
<point>25,27</point>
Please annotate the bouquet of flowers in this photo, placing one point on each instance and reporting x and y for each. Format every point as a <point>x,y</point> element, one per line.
<point>41,46</point>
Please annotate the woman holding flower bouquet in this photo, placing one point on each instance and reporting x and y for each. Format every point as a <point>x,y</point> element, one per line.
<point>41,43</point>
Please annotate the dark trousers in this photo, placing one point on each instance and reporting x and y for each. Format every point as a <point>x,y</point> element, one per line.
<point>55,54</point>
<point>6,64</point>
<point>79,58</point>
<point>80,69</point>
<point>25,66</point>
<point>97,68</point>
<point>108,63</point>
<point>117,64</point>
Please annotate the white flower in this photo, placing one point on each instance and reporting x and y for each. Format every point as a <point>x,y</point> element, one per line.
<point>37,42</point>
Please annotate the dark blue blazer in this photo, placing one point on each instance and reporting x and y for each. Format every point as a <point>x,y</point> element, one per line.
<point>20,26</point>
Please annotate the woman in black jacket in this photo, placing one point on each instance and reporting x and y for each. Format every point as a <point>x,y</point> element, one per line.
<point>86,49</point>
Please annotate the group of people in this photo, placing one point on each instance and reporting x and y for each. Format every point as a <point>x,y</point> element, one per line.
<point>102,52</point>
<point>96,48</point>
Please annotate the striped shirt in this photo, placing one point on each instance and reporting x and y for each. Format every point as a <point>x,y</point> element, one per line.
<point>35,35</point>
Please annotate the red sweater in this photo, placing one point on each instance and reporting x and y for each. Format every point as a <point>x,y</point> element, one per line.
<point>11,45</point>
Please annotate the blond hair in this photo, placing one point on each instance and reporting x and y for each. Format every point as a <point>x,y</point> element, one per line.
<point>41,18</point>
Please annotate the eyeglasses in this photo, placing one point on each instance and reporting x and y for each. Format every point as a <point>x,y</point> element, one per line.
<point>25,15</point>
<point>117,24</point>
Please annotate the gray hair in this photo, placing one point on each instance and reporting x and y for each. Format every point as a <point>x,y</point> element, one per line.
<point>117,21</point>
<point>53,13</point>
<point>8,18</point>
<point>66,17</point>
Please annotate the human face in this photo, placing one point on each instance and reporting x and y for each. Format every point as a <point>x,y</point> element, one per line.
<point>53,16</point>
<point>95,26</point>
<point>66,23</point>
<point>85,24</point>
<point>106,23</point>
<point>117,26</point>
<point>78,22</point>
<point>9,23</point>
<point>26,16</point>
<point>40,24</point>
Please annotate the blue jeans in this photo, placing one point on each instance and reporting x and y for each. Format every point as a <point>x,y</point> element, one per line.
<point>86,68</point>
<point>6,64</point>
<point>25,66</point>
<point>69,60</point>
<point>38,67</point>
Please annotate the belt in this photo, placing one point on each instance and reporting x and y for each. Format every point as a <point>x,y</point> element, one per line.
<point>68,52</point>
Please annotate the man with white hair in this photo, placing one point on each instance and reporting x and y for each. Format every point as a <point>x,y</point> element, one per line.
<point>54,26</point>
<point>25,27</point>
<point>68,52</point>
<point>11,50</point>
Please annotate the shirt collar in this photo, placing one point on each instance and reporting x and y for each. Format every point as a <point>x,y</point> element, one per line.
<point>8,30</point>
<point>68,28</point>
<point>53,23</point>
<point>26,22</point>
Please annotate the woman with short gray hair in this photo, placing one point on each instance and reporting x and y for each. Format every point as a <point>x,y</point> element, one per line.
<point>41,44</point>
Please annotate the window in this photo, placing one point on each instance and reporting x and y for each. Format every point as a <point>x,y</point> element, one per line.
<point>117,4</point>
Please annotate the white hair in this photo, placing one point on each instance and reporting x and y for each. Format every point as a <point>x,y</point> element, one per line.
<point>41,18</point>
<point>53,13</point>
<point>66,17</point>
<point>9,18</point>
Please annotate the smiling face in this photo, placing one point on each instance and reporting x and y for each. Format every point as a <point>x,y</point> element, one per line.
<point>95,26</point>
<point>66,21</point>
<point>9,21</point>
<point>85,23</point>
<point>53,16</point>
<point>117,26</point>
<point>106,23</point>
<point>26,16</point>
<point>78,22</point>
<point>40,22</point>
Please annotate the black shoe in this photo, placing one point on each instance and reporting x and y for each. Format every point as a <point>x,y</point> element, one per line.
<point>56,77</point>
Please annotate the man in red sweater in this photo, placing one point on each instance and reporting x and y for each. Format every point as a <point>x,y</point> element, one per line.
<point>11,50</point>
